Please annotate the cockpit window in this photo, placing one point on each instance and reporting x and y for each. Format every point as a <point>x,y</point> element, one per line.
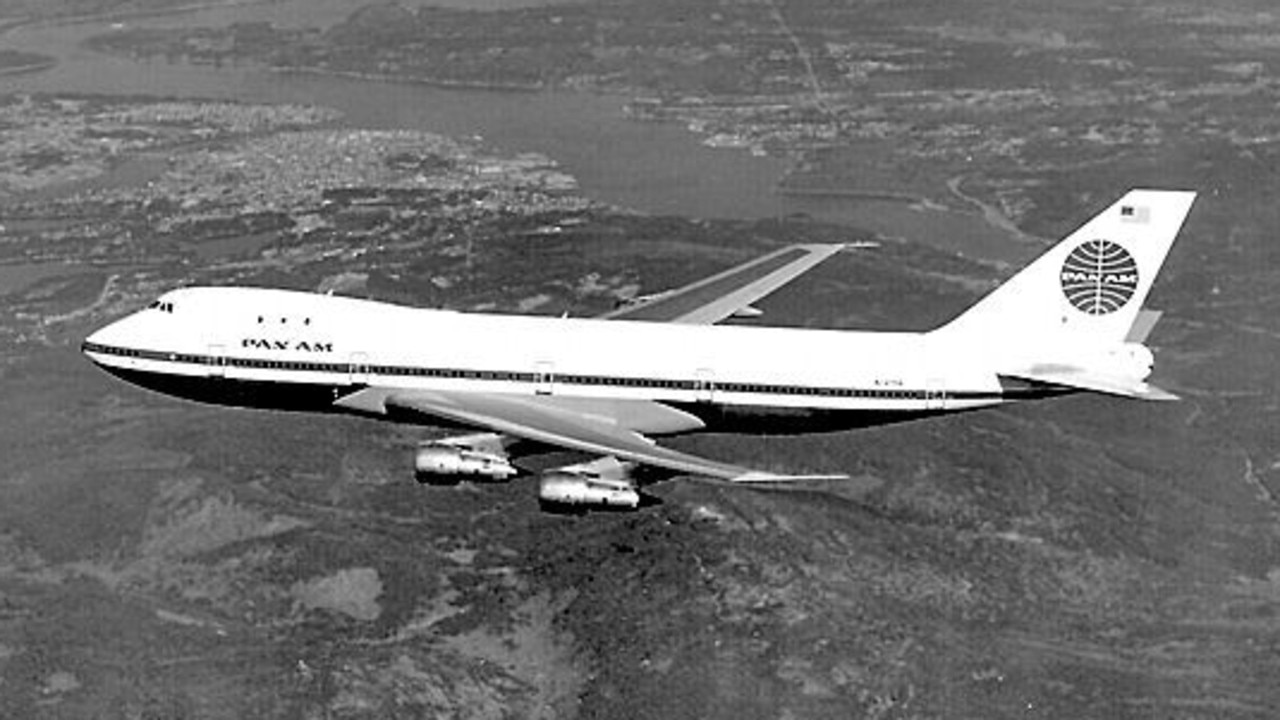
<point>161,306</point>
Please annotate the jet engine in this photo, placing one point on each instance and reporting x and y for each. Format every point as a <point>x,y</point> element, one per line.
<point>573,489</point>
<point>444,458</point>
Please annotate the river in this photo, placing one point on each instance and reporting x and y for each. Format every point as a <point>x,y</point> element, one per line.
<point>657,168</point>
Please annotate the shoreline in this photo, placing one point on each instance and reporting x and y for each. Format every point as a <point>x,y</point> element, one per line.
<point>819,192</point>
<point>991,214</point>
<point>399,79</point>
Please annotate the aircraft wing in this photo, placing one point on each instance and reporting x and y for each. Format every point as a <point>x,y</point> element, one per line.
<point>710,300</point>
<point>550,424</point>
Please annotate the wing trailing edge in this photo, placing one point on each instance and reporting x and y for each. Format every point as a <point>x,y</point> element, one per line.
<point>756,476</point>
<point>551,423</point>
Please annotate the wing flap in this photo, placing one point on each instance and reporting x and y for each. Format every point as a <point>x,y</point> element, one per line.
<point>767,477</point>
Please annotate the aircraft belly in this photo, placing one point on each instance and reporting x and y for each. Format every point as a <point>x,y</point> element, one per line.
<point>775,420</point>
<point>262,394</point>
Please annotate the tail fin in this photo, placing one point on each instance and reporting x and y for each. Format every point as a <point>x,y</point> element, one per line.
<point>1087,289</point>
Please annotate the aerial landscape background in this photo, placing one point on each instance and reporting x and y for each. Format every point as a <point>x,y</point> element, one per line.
<point>1083,557</point>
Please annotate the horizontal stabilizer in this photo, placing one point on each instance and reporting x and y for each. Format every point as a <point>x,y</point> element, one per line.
<point>1095,382</point>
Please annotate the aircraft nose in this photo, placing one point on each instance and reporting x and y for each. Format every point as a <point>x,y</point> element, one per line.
<point>100,337</point>
<point>94,339</point>
<point>114,335</point>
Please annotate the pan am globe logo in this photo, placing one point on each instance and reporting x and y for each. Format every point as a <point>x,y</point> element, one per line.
<point>1099,277</point>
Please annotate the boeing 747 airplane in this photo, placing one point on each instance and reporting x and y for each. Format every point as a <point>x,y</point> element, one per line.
<point>1071,321</point>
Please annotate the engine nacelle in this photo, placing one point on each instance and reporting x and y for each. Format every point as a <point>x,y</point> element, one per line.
<point>441,459</point>
<point>563,488</point>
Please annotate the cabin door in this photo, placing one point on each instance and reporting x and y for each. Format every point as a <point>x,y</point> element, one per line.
<point>358,373</point>
<point>935,394</point>
<point>544,378</point>
<point>704,385</point>
<point>216,362</point>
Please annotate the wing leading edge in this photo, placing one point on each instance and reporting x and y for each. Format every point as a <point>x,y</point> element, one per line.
<point>712,299</point>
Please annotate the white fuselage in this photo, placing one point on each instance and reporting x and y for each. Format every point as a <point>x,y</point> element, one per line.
<point>259,339</point>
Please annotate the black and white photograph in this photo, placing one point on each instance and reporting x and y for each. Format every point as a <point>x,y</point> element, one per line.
<point>655,359</point>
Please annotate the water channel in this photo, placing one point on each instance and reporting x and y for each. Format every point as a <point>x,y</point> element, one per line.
<point>659,168</point>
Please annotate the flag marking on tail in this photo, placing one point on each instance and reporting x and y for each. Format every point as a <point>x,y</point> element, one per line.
<point>1099,277</point>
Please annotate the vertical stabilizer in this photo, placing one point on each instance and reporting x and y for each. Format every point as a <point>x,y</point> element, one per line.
<point>1088,289</point>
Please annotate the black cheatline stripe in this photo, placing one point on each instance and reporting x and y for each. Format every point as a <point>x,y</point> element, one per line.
<point>508,376</point>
